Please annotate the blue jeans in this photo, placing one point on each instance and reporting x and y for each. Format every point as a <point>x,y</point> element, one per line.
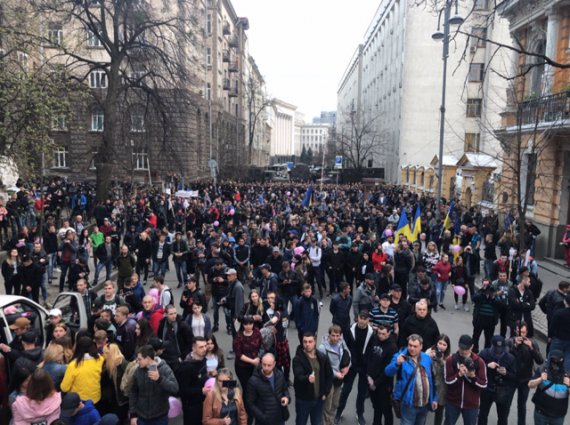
<point>108,269</point>
<point>453,412</point>
<point>488,268</point>
<point>44,286</point>
<point>65,265</point>
<point>215,300</point>
<point>163,420</point>
<point>564,346</point>
<point>540,419</point>
<point>159,268</point>
<point>413,415</point>
<point>440,288</point>
<point>180,267</point>
<point>51,264</point>
<point>309,408</point>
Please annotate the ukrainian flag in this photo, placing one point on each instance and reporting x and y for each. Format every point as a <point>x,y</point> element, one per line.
<point>448,222</point>
<point>308,199</point>
<point>403,228</point>
<point>417,225</point>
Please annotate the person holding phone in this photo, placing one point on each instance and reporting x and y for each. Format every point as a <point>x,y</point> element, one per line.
<point>224,404</point>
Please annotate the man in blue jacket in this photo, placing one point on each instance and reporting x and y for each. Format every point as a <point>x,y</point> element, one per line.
<point>307,312</point>
<point>416,398</point>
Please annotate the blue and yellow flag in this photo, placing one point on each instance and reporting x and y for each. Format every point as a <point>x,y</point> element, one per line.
<point>448,222</point>
<point>403,228</point>
<point>308,199</point>
<point>417,225</point>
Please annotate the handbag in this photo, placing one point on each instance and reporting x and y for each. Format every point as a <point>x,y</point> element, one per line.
<point>397,404</point>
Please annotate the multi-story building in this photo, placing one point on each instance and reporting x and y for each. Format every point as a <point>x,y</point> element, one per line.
<point>391,90</point>
<point>536,126</point>
<point>299,123</point>
<point>315,137</point>
<point>282,123</point>
<point>326,117</point>
<point>181,85</point>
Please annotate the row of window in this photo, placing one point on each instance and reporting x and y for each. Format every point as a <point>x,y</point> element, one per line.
<point>312,138</point>
<point>59,122</point>
<point>61,159</point>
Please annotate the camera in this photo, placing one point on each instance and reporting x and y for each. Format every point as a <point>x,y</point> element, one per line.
<point>229,384</point>
<point>470,364</point>
<point>438,354</point>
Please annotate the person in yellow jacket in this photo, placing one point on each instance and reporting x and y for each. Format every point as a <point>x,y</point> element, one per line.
<point>83,373</point>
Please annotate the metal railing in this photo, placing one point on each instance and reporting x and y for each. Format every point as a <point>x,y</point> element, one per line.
<point>547,109</point>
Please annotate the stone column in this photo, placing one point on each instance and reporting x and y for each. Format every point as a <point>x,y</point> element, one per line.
<point>552,29</point>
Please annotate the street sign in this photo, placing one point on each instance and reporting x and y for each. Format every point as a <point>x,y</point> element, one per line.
<point>338,162</point>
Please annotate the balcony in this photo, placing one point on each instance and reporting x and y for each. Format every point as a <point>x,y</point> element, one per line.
<point>233,92</point>
<point>226,29</point>
<point>226,56</point>
<point>234,41</point>
<point>226,85</point>
<point>233,66</point>
<point>553,109</point>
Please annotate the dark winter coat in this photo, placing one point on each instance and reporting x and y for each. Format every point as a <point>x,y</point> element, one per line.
<point>264,402</point>
<point>304,390</point>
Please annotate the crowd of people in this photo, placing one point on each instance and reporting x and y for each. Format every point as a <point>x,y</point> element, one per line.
<point>269,256</point>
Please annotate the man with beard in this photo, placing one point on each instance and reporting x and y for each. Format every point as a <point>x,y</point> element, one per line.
<point>194,374</point>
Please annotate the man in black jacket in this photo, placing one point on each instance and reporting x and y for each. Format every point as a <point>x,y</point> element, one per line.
<point>193,373</point>
<point>420,323</point>
<point>267,393</point>
<point>382,349</point>
<point>177,337</point>
<point>144,252</point>
<point>31,278</point>
<point>313,381</point>
<point>106,254</point>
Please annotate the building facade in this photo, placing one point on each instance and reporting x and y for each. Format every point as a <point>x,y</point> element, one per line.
<point>326,117</point>
<point>315,137</point>
<point>282,122</point>
<point>536,126</point>
<point>392,86</point>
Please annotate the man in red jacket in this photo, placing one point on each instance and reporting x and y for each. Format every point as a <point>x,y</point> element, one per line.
<point>465,375</point>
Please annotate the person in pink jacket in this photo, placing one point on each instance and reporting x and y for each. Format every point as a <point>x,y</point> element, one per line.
<point>40,404</point>
<point>442,273</point>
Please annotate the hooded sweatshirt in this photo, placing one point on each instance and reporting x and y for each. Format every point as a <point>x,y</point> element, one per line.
<point>27,411</point>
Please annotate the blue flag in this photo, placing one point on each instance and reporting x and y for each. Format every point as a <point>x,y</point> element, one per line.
<point>308,199</point>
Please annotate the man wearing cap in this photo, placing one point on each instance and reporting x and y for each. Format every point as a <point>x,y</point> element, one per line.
<point>398,303</point>
<point>275,260</point>
<point>425,290</point>
<point>55,316</point>
<point>501,381</point>
<point>179,255</point>
<point>235,297</point>
<point>31,276</point>
<point>414,282</point>
<point>220,288</point>
<point>20,326</point>
<point>364,297</point>
<point>465,375</point>
<point>241,259</point>
<point>75,411</point>
<point>384,314</point>
<point>268,281</point>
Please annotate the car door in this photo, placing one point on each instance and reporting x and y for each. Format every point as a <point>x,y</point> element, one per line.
<point>73,309</point>
<point>13,307</point>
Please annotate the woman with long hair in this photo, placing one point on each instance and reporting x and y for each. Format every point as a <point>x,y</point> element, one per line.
<point>20,378</point>
<point>67,343</point>
<point>40,404</point>
<point>430,258</point>
<point>10,268</point>
<point>246,348</point>
<point>200,324</point>
<point>112,399</point>
<point>214,356</point>
<point>439,354</point>
<point>84,248</point>
<point>224,405</point>
<point>143,331</point>
<point>253,310</point>
<point>54,363</point>
<point>83,374</point>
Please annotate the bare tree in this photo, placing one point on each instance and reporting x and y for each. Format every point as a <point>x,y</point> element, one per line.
<point>358,141</point>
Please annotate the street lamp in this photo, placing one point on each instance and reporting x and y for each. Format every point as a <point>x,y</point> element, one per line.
<point>448,20</point>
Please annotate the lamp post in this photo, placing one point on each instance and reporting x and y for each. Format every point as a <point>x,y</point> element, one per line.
<point>448,20</point>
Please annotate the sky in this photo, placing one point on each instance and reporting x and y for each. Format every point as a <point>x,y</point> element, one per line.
<point>302,47</point>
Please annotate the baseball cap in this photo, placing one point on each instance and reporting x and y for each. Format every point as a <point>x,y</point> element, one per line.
<point>369,276</point>
<point>498,343</point>
<point>21,322</point>
<point>465,342</point>
<point>231,271</point>
<point>69,403</point>
<point>29,337</point>
<point>156,343</point>
<point>396,287</point>
<point>55,312</point>
<point>275,249</point>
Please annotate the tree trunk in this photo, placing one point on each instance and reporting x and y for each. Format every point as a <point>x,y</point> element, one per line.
<point>105,172</point>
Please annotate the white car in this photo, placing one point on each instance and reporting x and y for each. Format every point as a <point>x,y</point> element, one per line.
<point>13,306</point>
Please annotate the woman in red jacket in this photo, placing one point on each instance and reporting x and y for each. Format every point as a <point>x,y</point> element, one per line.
<point>442,273</point>
<point>379,258</point>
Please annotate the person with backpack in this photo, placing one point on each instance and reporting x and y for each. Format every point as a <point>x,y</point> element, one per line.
<point>164,292</point>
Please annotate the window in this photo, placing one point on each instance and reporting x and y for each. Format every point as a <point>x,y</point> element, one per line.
<point>481,5</point>
<point>476,72</point>
<point>138,72</point>
<point>23,60</point>
<point>55,34</point>
<point>60,158</point>
<point>472,142</point>
<point>474,108</point>
<point>530,178</point>
<point>209,56</point>
<point>480,36</point>
<point>59,123</point>
<point>137,122</point>
<point>209,25</point>
<point>97,120</point>
<point>98,79</point>
<point>92,165</point>
<point>140,160</point>
<point>94,38</point>
<point>370,163</point>
<point>208,91</point>
<point>57,71</point>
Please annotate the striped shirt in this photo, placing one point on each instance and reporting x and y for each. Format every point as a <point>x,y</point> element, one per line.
<point>388,317</point>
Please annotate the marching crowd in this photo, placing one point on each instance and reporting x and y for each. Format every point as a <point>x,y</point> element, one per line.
<point>269,257</point>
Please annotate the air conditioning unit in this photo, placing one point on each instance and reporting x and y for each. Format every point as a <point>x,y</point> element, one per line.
<point>473,49</point>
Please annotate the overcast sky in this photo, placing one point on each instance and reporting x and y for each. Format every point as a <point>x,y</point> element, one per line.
<point>302,47</point>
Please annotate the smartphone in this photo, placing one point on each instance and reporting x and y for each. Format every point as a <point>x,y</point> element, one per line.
<point>229,384</point>
<point>153,368</point>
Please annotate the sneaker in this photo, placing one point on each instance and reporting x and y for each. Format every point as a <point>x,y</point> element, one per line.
<point>442,306</point>
<point>215,328</point>
<point>361,420</point>
<point>465,307</point>
<point>456,306</point>
<point>336,420</point>
<point>230,356</point>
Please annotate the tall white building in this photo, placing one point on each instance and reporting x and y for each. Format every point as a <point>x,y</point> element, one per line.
<point>314,136</point>
<point>282,122</point>
<point>392,86</point>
